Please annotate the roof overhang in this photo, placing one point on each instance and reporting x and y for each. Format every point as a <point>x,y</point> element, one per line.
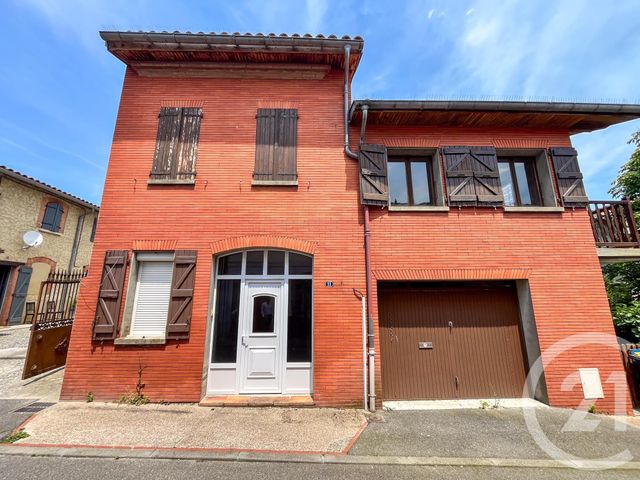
<point>573,117</point>
<point>230,55</point>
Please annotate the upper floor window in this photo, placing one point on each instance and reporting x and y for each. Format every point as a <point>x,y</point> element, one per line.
<point>52,217</point>
<point>276,144</point>
<point>174,160</point>
<point>520,186</point>
<point>410,181</point>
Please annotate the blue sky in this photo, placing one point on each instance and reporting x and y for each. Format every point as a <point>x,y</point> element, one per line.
<point>59,88</point>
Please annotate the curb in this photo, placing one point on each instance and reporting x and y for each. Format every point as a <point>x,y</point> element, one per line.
<point>316,458</point>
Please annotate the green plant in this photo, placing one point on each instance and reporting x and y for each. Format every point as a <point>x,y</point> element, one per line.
<point>14,437</point>
<point>134,398</point>
<point>484,405</point>
<point>592,409</point>
<point>89,397</point>
<point>138,397</point>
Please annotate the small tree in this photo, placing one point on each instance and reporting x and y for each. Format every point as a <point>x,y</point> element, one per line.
<point>623,280</point>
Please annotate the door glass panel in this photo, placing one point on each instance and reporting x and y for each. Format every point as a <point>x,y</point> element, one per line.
<point>420,181</point>
<point>263,309</point>
<point>300,264</point>
<point>398,193</point>
<point>230,264</point>
<point>507,184</point>
<point>225,332</point>
<point>523,183</point>
<point>254,262</point>
<point>275,263</point>
<point>299,321</point>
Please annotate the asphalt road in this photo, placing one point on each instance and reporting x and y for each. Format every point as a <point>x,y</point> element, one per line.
<point>44,468</point>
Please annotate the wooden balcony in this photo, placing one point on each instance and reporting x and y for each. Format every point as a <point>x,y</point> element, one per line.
<point>615,231</point>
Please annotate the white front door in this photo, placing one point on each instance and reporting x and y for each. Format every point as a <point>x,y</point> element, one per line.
<point>261,337</point>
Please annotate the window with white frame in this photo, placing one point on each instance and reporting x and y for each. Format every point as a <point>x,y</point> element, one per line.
<point>153,292</point>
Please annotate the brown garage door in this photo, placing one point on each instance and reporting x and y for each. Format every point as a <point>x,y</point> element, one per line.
<point>446,341</point>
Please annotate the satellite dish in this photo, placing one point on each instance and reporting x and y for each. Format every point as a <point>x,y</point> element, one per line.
<point>32,239</point>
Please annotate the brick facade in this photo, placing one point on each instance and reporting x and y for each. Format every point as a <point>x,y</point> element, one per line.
<point>555,252</point>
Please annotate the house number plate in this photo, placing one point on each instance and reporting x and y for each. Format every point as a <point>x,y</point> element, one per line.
<point>425,345</point>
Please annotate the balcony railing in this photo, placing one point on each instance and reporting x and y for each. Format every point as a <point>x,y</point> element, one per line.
<point>613,224</point>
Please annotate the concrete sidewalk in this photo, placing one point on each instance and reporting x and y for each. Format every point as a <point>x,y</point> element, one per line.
<point>309,430</point>
<point>495,433</point>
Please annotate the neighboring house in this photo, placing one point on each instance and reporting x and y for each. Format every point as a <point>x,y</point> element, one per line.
<point>239,228</point>
<point>67,224</point>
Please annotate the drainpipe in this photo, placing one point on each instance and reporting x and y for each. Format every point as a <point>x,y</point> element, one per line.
<point>347,148</point>
<point>370,338</point>
<point>76,241</point>
<point>367,234</point>
<point>362,298</point>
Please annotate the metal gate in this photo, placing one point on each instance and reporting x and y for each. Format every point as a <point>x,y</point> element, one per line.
<point>448,341</point>
<point>52,321</point>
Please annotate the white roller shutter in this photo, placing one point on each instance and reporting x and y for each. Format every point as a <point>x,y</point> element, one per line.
<point>152,299</point>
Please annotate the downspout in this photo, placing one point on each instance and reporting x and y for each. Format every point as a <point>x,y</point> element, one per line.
<point>76,241</point>
<point>347,148</point>
<point>367,234</point>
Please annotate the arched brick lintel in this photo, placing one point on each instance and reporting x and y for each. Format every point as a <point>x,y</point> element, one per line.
<point>46,260</point>
<point>263,241</point>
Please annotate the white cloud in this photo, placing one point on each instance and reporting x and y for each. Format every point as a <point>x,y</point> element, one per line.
<point>430,14</point>
<point>470,11</point>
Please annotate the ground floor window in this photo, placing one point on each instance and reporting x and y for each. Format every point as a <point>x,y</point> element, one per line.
<point>153,291</point>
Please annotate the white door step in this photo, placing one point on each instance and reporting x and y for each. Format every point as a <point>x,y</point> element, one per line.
<point>480,403</point>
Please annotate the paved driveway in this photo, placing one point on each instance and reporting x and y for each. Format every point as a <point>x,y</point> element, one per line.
<point>15,392</point>
<point>497,433</point>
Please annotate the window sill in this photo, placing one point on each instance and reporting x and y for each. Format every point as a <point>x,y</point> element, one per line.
<point>159,181</point>
<point>59,234</point>
<point>140,341</point>
<point>430,208</point>
<point>534,209</point>
<point>274,183</point>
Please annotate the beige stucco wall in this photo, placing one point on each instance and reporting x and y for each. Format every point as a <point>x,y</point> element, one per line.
<point>20,210</point>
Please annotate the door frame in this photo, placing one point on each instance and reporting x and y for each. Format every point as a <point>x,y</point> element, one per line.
<point>210,388</point>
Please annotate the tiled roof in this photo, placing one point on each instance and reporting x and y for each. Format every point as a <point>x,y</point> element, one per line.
<point>21,177</point>
<point>238,34</point>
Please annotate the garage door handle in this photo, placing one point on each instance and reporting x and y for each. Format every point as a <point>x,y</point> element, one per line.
<point>457,381</point>
<point>450,325</point>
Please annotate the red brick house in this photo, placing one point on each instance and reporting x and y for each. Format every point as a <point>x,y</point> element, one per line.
<point>242,226</point>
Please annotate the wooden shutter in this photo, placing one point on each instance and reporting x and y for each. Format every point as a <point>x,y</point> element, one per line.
<point>166,143</point>
<point>176,143</point>
<point>565,163</point>
<point>181,303</point>
<point>105,323</point>
<point>472,176</point>
<point>373,175</point>
<point>276,145</point>
<point>185,164</point>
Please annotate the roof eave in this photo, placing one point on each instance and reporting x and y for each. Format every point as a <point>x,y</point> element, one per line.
<point>32,182</point>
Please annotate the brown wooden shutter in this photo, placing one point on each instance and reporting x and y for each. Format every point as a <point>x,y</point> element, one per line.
<point>373,175</point>
<point>185,164</point>
<point>176,144</point>
<point>105,324</point>
<point>166,143</point>
<point>276,145</point>
<point>181,302</point>
<point>565,163</point>
<point>472,176</point>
